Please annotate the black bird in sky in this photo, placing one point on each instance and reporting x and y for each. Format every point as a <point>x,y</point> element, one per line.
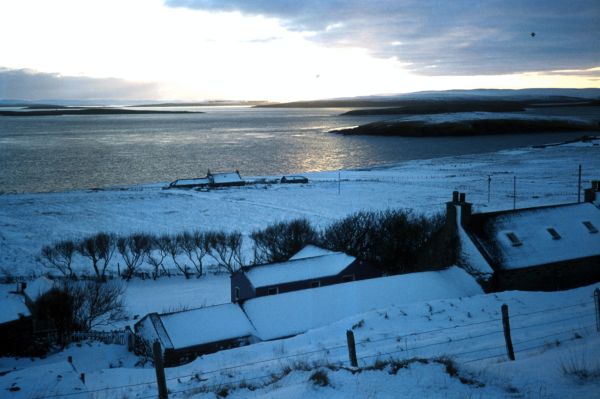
<point>532,34</point>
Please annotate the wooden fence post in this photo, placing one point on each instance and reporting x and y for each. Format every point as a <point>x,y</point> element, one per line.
<point>160,371</point>
<point>597,302</point>
<point>351,348</point>
<point>507,338</point>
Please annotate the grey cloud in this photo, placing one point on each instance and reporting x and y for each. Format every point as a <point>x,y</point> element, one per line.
<point>26,84</point>
<point>463,37</point>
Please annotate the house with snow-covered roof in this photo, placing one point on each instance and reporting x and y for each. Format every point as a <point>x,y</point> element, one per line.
<point>187,334</point>
<point>16,323</point>
<point>542,248</point>
<point>312,267</point>
<point>214,180</point>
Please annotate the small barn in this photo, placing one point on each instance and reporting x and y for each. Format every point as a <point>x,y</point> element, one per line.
<point>312,267</point>
<point>212,180</point>
<point>294,179</point>
<point>542,248</point>
<point>187,334</point>
<point>16,323</point>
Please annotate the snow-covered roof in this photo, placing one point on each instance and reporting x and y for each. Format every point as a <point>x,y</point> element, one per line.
<point>299,270</point>
<point>206,325</point>
<point>191,182</point>
<point>543,235</point>
<point>476,264</point>
<point>220,178</point>
<point>38,287</point>
<point>310,251</point>
<point>295,312</point>
<point>12,306</point>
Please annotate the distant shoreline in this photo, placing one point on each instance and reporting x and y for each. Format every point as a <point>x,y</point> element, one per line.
<point>89,111</point>
<point>472,127</point>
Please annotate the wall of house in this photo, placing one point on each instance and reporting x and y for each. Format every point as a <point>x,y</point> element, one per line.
<point>16,337</point>
<point>177,357</point>
<point>552,277</point>
<point>240,280</point>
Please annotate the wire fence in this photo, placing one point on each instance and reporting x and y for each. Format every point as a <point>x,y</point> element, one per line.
<point>466,343</point>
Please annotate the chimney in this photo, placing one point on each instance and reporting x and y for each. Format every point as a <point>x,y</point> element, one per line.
<point>458,200</point>
<point>462,197</point>
<point>21,286</point>
<point>455,197</point>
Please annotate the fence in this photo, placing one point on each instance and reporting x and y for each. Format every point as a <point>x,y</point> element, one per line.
<point>107,337</point>
<point>483,340</point>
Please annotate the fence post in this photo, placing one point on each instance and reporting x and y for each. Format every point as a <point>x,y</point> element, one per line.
<point>507,338</point>
<point>597,302</point>
<point>351,348</point>
<point>82,378</point>
<point>160,371</point>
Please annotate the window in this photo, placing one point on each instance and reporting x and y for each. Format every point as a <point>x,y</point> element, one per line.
<point>514,240</point>
<point>236,293</point>
<point>273,291</point>
<point>553,233</point>
<point>347,278</point>
<point>591,228</point>
<point>315,284</point>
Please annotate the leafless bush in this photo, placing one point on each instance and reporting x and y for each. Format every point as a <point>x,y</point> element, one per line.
<point>173,246</point>
<point>132,249</point>
<point>99,248</point>
<point>195,247</point>
<point>280,241</point>
<point>157,252</point>
<point>59,256</point>
<point>96,303</point>
<point>226,249</point>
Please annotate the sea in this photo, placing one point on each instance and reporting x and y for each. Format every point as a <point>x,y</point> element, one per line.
<point>62,153</point>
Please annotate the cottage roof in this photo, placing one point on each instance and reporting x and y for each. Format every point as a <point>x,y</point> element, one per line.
<point>308,268</point>
<point>13,305</point>
<point>191,182</point>
<point>295,312</point>
<point>538,236</point>
<point>220,178</point>
<point>204,325</point>
<point>310,251</point>
<point>38,287</point>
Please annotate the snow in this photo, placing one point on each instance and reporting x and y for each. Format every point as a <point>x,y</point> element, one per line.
<point>191,182</point>
<point>538,246</point>
<point>221,178</point>
<point>299,269</point>
<point>470,256</point>
<point>38,287</point>
<point>310,251</point>
<point>291,313</point>
<point>13,305</point>
<point>206,325</point>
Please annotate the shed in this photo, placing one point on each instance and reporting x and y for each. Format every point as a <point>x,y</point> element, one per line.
<point>294,179</point>
<point>187,334</point>
<point>310,268</point>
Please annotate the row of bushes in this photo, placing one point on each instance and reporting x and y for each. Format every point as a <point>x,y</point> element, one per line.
<point>396,241</point>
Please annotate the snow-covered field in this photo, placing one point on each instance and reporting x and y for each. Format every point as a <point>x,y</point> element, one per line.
<point>556,342</point>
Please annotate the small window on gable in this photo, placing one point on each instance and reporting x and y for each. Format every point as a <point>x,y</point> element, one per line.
<point>554,233</point>
<point>514,240</point>
<point>273,291</point>
<point>591,228</point>
<point>347,278</point>
<point>315,284</point>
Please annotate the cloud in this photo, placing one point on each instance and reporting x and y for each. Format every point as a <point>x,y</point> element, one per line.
<point>463,37</point>
<point>26,84</point>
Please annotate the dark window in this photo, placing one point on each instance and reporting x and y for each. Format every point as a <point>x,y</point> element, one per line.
<point>591,228</point>
<point>553,233</point>
<point>273,291</point>
<point>347,278</point>
<point>315,284</point>
<point>514,240</point>
<point>236,294</point>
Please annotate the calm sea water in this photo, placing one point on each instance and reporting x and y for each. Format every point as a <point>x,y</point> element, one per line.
<point>58,153</point>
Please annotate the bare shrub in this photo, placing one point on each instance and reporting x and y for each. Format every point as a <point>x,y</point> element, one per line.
<point>577,366</point>
<point>156,254</point>
<point>132,249</point>
<point>320,378</point>
<point>195,246</point>
<point>99,248</point>
<point>226,249</point>
<point>280,241</point>
<point>59,256</point>
<point>173,246</point>
<point>96,303</point>
<point>55,309</point>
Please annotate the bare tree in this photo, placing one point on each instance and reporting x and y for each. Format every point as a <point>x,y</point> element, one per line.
<point>156,254</point>
<point>99,248</point>
<point>195,246</point>
<point>226,249</point>
<point>96,303</point>
<point>132,249</point>
<point>174,249</point>
<point>280,241</point>
<point>59,256</point>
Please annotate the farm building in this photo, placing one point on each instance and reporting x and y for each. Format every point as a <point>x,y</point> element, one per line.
<point>212,180</point>
<point>312,267</point>
<point>294,179</point>
<point>293,313</point>
<point>543,248</point>
<point>16,323</point>
<point>187,334</point>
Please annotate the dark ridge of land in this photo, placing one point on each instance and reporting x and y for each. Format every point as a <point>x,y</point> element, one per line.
<point>475,127</point>
<point>203,104</point>
<point>442,107</point>
<point>89,111</point>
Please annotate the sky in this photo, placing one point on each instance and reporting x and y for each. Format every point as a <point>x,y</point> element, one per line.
<point>285,50</point>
